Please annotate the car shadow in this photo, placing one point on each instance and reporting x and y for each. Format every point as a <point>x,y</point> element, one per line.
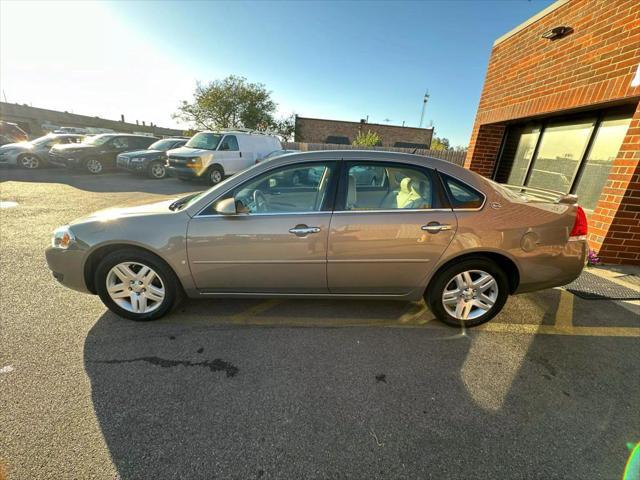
<point>276,389</point>
<point>108,182</point>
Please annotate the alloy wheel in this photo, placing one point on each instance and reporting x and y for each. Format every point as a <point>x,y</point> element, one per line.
<point>135,287</point>
<point>94,166</point>
<point>470,295</point>
<point>158,170</point>
<point>29,161</point>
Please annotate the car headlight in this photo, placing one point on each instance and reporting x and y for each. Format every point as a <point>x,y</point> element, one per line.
<point>62,237</point>
<point>194,162</point>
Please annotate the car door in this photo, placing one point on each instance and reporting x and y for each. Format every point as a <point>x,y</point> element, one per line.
<point>112,148</point>
<point>277,241</point>
<point>230,156</point>
<point>386,235</point>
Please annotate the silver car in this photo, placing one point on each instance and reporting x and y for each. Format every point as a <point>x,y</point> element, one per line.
<point>424,228</point>
<point>35,153</point>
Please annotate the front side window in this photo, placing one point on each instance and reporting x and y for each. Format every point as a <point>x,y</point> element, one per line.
<point>229,143</point>
<point>462,195</point>
<point>120,142</point>
<point>388,187</point>
<point>291,189</point>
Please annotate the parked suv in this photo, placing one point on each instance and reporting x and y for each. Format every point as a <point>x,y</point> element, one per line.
<point>216,155</point>
<point>34,154</point>
<point>150,162</point>
<point>98,153</point>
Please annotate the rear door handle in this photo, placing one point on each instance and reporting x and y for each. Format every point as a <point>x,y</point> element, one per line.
<point>303,230</point>
<point>435,227</point>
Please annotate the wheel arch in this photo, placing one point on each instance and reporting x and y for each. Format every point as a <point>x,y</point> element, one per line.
<point>97,254</point>
<point>503,261</point>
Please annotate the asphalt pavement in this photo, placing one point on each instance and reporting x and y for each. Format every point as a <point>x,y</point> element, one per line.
<point>244,389</point>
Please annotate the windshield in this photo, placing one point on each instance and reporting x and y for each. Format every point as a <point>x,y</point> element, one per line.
<point>97,140</point>
<point>191,199</point>
<point>205,140</point>
<point>162,145</point>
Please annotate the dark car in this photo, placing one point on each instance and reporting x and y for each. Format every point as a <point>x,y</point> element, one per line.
<point>150,162</point>
<point>99,152</point>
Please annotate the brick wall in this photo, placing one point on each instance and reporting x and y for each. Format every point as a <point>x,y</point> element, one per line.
<point>316,130</point>
<point>591,67</point>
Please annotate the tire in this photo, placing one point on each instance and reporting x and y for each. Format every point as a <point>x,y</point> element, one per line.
<point>94,166</point>
<point>156,170</point>
<point>216,175</point>
<point>479,304</point>
<point>29,161</point>
<point>127,297</point>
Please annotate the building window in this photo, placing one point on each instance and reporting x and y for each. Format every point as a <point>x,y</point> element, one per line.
<point>338,140</point>
<point>565,155</point>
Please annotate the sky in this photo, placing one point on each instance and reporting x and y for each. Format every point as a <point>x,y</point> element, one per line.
<point>324,59</point>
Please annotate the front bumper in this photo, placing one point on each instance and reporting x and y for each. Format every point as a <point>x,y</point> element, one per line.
<point>181,172</point>
<point>9,158</point>
<point>67,266</point>
<point>129,166</point>
<point>64,161</point>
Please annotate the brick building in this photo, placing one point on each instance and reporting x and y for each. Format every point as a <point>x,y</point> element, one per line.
<point>316,130</point>
<point>560,110</point>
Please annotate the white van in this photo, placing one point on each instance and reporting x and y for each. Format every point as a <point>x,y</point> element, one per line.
<point>215,155</point>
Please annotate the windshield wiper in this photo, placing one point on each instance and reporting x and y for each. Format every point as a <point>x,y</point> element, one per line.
<point>181,202</point>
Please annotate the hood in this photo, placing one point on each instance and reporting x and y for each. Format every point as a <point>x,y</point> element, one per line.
<point>16,146</point>
<point>112,214</point>
<point>189,152</point>
<point>143,153</point>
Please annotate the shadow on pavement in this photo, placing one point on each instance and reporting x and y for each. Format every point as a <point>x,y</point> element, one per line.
<point>109,182</point>
<point>198,396</point>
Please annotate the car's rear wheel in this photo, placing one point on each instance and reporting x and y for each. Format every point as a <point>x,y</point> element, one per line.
<point>468,293</point>
<point>157,170</point>
<point>136,285</point>
<point>94,166</point>
<point>216,175</point>
<point>29,161</point>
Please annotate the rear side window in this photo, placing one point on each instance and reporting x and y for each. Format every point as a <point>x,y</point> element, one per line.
<point>462,195</point>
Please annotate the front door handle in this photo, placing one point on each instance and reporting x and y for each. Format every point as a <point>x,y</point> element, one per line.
<point>435,227</point>
<point>303,230</point>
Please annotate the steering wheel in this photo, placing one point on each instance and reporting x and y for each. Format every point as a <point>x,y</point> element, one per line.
<point>260,201</point>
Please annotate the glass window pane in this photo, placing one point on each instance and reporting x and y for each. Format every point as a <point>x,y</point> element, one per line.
<point>603,152</point>
<point>285,190</point>
<point>524,153</point>
<point>461,195</point>
<point>388,187</point>
<point>561,148</point>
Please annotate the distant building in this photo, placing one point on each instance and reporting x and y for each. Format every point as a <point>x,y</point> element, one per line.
<point>316,130</point>
<point>39,121</point>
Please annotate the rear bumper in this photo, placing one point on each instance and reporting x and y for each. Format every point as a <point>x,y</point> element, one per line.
<point>552,267</point>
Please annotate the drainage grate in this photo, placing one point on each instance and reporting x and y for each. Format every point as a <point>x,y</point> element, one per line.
<point>593,287</point>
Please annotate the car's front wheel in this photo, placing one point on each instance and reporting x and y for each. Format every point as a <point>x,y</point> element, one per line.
<point>137,285</point>
<point>468,293</point>
<point>29,161</point>
<point>94,166</point>
<point>216,175</point>
<point>157,170</point>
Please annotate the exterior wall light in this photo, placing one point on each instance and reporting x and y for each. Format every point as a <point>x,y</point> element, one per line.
<point>557,32</point>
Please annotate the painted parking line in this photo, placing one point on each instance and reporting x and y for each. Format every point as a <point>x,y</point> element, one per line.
<point>554,330</point>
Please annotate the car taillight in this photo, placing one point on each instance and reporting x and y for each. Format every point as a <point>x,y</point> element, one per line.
<point>580,226</point>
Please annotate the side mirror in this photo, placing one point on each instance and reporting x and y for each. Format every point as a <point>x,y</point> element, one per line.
<point>226,206</point>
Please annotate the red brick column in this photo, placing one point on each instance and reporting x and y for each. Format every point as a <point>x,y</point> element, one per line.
<point>484,148</point>
<point>614,226</point>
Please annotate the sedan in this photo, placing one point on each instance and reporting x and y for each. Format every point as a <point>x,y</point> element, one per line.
<point>35,154</point>
<point>428,229</point>
<point>151,161</point>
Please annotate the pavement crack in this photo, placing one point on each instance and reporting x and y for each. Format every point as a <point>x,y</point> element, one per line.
<point>216,365</point>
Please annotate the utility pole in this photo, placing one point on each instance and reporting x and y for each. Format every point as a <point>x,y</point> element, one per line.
<point>424,107</point>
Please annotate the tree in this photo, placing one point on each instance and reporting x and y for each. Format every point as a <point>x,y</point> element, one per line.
<point>232,102</point>
<point>369,139</point>
<point>285,127</point>
<point>440,143</point>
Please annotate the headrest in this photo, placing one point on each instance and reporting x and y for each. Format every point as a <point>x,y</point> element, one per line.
<point>405,185</point>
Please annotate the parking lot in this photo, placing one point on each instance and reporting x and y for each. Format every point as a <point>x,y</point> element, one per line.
<point>295,389</point>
